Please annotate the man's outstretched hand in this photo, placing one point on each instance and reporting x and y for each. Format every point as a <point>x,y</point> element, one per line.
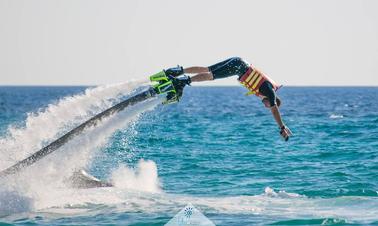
<point>285,132</point>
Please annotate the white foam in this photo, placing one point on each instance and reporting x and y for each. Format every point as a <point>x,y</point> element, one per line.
<point>12,202</point>
<point>336,116</point>
<point>284,206</point>
<point>143,178</point>
<point>282,194</point>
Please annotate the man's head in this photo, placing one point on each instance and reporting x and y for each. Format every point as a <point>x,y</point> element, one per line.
<point>266,102</point>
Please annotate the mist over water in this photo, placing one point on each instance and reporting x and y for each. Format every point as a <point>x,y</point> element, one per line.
<point>216,149</point>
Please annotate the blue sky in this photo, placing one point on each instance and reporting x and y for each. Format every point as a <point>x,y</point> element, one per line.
<point>89,42</point>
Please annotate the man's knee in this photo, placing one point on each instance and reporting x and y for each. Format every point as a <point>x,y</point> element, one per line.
<point>239,61</point>
<point>210,76</point>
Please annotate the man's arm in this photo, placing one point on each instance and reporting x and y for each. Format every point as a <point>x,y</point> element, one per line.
<point>277,116</point>
<point>270,101</point>
<point>284,131</point>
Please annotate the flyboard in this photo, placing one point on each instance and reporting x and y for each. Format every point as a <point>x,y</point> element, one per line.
<point>171,86</point>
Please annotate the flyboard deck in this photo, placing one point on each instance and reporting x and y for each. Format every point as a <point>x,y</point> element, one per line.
<point>55,145</point>
<point>82,179</point>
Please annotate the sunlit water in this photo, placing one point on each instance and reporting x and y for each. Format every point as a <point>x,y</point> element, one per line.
<point>216,149</point>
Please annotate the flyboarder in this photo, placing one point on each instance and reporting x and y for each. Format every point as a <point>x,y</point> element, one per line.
<point>171,83</point>
<point>254,80</point>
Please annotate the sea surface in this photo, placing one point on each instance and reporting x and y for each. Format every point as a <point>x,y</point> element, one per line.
<point>216,149</point>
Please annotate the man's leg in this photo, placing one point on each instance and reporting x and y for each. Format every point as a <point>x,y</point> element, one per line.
<point>201,77</point>
<point>224,69</point>
<point>195,70</point>
<point>202,74</point>
<point>230,67</point>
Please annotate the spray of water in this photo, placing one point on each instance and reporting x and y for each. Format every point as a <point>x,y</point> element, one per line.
<point>42,184</point>
<point>47,124</point>
<point>143,178</point>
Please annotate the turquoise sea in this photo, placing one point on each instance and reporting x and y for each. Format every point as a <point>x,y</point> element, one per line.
<point>216,149</point>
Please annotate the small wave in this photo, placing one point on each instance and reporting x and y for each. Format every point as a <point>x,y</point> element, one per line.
<point>336,116</point>
<point>281,194</point>
<point>322,221</point>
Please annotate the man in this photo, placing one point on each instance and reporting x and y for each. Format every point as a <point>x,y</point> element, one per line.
<point>254,80</point>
